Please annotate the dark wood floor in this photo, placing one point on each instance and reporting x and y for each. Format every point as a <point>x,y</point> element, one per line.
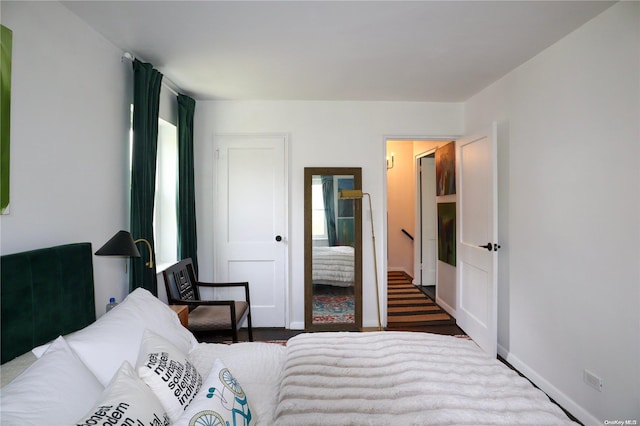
<point>259,335</point>
<point>449,330</point>
<point>268,334</point>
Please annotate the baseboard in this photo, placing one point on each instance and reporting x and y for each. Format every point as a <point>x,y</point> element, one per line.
<point>554,393</point>
<point>448,309</point>
<point>502,351</point>
<point>296,325</point>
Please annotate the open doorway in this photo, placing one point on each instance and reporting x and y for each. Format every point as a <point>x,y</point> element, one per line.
<point>466,269</point>
<point>412,216</point>
<point>426,229</point>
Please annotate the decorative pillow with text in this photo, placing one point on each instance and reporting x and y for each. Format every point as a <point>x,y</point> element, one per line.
<point>168,372</point>
<point>126,401</point>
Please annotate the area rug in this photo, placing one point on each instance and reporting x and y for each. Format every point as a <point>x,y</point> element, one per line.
<point>408,306</point>
<point>333,305</point>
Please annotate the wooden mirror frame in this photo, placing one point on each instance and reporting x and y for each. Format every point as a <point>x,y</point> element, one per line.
<point>309,172</point>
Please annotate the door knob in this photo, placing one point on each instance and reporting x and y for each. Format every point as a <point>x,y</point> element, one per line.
<point>278,238</point>
<point>491,247</point>
<point>488,246</point>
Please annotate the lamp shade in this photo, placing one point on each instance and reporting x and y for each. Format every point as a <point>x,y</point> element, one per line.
<point>350,194</point>
<point>120,244</point>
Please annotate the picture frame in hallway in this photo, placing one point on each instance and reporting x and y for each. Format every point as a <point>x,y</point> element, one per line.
<point>447,233</point>
<point>446,169</point>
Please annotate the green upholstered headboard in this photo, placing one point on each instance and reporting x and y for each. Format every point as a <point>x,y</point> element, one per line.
<point>44,293</point>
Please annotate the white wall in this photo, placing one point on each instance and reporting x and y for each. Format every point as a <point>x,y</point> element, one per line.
<point>401,198</point>
<point>69,133</point>
<point>569,166</point>
<point>320,134</point>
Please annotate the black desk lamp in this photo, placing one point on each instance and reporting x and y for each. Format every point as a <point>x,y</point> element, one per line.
<point>122,244</point>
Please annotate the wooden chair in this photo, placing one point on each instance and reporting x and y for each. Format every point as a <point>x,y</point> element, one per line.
<point>219,316</point>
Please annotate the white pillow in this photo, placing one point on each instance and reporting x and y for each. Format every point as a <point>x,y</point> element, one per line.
<point>168,372</point>
<point>220,401</point>
<point>126,401</point>
<point>115,337</point>
<point>55,389</point>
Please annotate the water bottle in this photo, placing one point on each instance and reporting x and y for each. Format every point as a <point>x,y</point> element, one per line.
<point>112,304</point>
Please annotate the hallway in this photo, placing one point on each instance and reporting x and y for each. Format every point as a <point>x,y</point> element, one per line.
<point>409,309</point>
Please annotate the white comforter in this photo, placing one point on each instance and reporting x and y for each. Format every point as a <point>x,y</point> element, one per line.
<point>397,378</point>
<point>333,266</point>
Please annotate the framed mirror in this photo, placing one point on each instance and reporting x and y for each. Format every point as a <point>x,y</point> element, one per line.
<point>332,249</point>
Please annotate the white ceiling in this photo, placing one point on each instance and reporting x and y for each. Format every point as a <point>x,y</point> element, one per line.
<point>443,51</point>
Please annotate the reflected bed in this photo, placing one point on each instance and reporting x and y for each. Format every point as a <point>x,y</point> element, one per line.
<point>333,266</point>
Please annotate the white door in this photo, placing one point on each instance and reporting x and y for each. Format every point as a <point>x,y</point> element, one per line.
<point>251,221</point>
<point>476,310</point>
<point>428,221</point>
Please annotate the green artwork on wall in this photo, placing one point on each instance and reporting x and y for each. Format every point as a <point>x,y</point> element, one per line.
<point>447,233</point>
<point>6,41</point>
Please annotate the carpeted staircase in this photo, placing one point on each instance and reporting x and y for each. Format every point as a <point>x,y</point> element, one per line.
<point>409,307</point>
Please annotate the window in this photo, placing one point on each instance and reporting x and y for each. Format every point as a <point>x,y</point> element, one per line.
<point>318,221</point>
<point>165,221</point>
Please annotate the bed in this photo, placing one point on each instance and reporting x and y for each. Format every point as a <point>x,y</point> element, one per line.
<point>138,365</point>
<point>333,266</point>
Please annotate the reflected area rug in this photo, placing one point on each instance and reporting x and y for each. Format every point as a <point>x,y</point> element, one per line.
<point>333,305</point>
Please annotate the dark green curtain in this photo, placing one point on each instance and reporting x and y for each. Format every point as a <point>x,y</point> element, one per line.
<point>186,203</point>
<point>6,46</point>
<point>329,209</point>
<point>146,104</point>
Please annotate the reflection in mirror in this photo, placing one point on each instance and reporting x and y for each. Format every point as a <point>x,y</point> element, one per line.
<point>333,260</point>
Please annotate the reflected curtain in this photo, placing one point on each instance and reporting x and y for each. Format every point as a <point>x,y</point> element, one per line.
<point>146,104</point>
<point>329,209</point>
<point>185,200</point>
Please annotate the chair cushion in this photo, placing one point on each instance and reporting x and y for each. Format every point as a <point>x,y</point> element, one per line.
<point>210,317</point>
